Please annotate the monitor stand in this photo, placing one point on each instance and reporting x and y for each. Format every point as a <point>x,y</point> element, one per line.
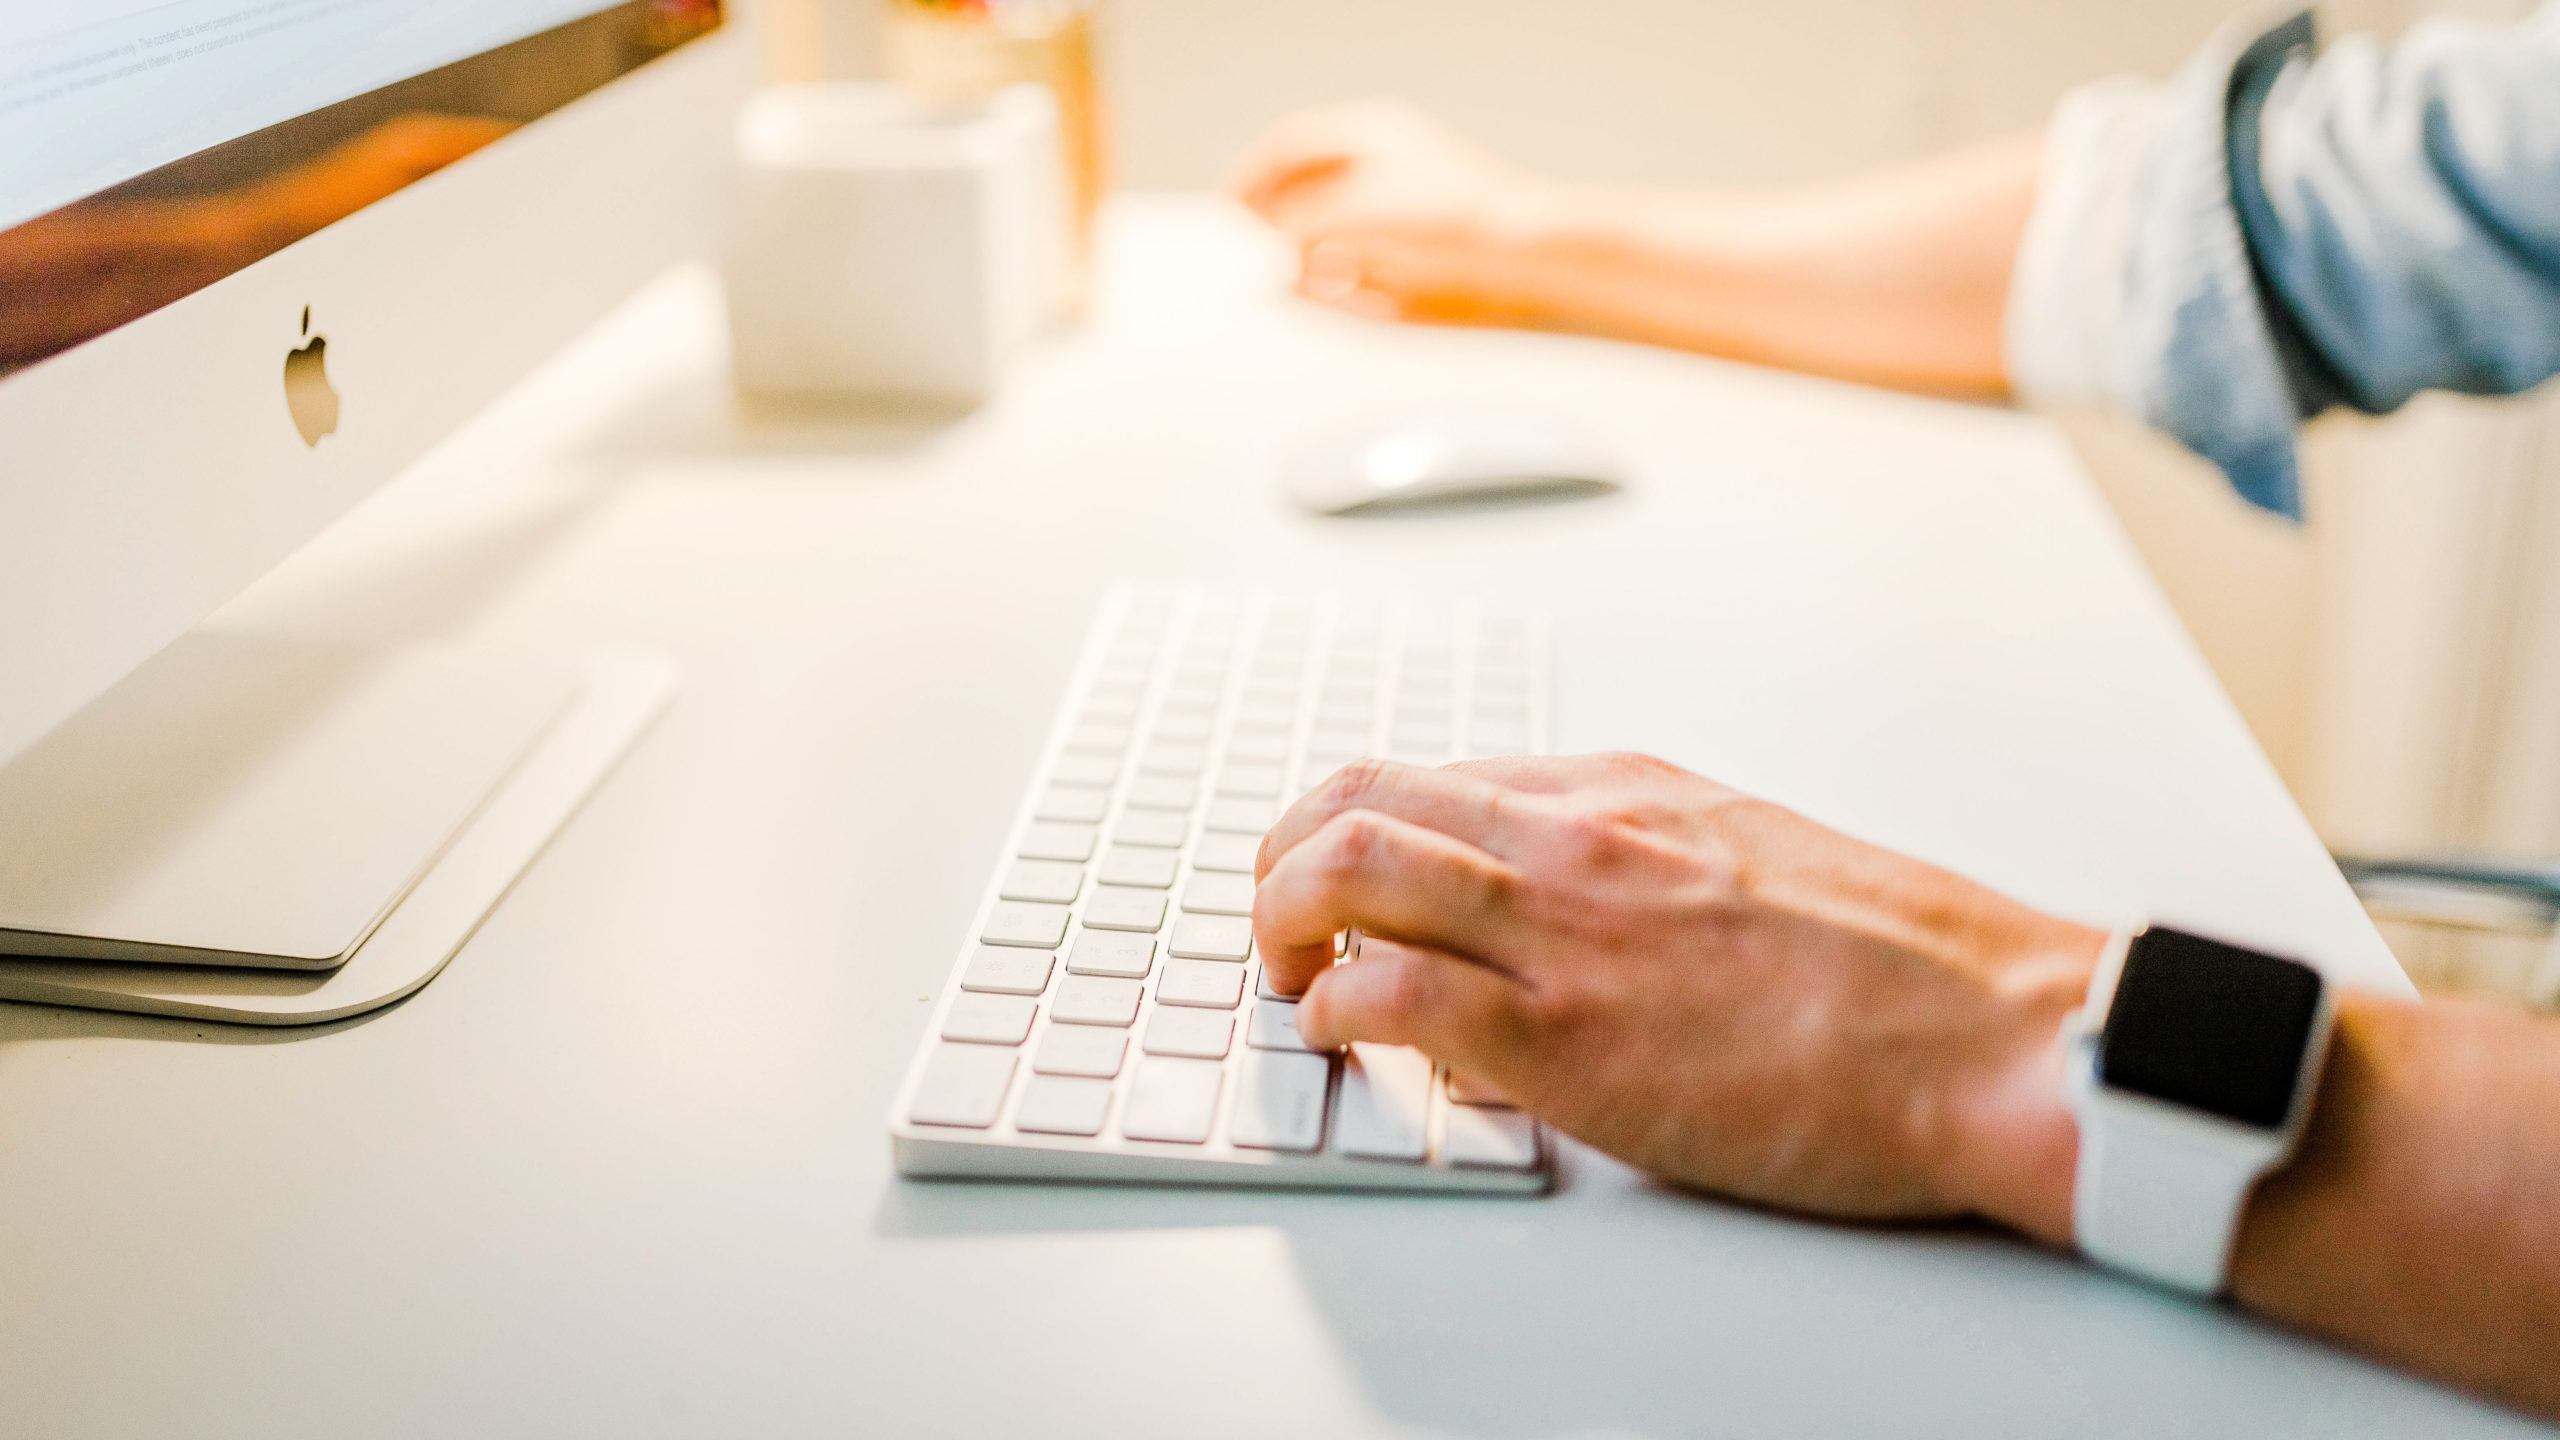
<point>280,831</point>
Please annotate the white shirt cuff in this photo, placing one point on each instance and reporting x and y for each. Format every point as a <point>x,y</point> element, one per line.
<point>2065,330</point>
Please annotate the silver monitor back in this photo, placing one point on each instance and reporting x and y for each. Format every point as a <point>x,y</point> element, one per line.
<point>152,472</point>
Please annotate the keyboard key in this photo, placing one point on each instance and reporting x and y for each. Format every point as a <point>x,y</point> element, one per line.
<point>1266,719</point>
<point>1112,952</point>
<point>1130,686</point>
<point>1232,853</point>
<point>989,1019</point>
<point>1080,1050</point>
<point>1049,840</point>
<point>1207,984</point>
<point>962,1085</point>
<point>1143,865</point>
<point>1321,764</point>
<point>1489,1139</point>
<point>1240,817</point>
<point>1279,1102</point>
<point>1202,1034</point>
<point>1095,1000</point>
<point>1177,760</point>
<point>1172,1100</point>
<point>1467,1090</point>
<point>1082,804</point>
<point>1262,985</point>
<point>1189,726</point>
<point>1086,770</point>
<point>1101,739</point>
<point>1118,907</point>
<point>1158,792</point>
<point>1352,739</point>
<point>1054,882</point>
<point>1419,735</point>
<point>999,971</point>
<point>1275,1027</point>
<point>1062,1105</point>
<point>1258,749</point>
<point>1249,780</point>
<point>1211,937</point>
<point>1386,1103</point>
<point>1013,922</point>
<point>1163,828</point>
<point>1218,894</point>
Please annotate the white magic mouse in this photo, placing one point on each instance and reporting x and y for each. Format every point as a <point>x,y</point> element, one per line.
<point>1438,454</point>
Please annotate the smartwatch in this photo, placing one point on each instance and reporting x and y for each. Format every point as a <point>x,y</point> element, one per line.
<point>2191,1070</point>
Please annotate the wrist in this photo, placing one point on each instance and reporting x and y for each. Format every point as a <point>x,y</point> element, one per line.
<point>2014,1144</point>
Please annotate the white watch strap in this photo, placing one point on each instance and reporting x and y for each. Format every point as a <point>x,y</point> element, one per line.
<point>2158,1198</point>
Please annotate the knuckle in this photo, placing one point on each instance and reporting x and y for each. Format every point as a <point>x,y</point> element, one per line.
<point>1594,834</point>
<point>1349,842</point>
<point>1407,994</point>
<point>1635,765</point>
<point>1355,783</point>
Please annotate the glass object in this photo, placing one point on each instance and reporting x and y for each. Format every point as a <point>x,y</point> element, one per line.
<point>957,52</point>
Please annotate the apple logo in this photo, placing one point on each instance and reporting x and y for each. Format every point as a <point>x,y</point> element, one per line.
<point>306,386</point>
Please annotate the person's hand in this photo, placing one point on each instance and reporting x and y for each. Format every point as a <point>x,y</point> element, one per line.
<point>1705,985</point>
<point>1396,216</point>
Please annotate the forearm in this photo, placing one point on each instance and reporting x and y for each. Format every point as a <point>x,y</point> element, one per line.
<point>1900,277</point>
<point>2420,1222</point>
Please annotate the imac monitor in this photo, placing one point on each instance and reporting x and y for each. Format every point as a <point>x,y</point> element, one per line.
<point>258,255</point>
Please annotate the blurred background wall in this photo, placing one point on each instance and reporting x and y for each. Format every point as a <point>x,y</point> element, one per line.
<point>2398,656</point>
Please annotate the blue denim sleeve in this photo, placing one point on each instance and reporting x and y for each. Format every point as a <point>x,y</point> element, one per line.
<point>2397,218</point>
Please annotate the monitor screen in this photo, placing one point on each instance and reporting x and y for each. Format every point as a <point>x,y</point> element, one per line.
<point>150,147</point>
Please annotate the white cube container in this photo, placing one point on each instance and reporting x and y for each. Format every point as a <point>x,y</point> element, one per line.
<point>883,249</point>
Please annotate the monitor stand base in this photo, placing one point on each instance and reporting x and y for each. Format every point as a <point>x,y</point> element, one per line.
<point>619,695</point>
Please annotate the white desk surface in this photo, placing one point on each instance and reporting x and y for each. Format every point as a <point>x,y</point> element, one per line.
<point>621,1170</point>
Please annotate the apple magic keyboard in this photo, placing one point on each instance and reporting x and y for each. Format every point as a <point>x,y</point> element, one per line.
<point>1107,1019</point>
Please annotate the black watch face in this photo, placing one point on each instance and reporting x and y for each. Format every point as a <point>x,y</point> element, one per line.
<point>2210,1026</point>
